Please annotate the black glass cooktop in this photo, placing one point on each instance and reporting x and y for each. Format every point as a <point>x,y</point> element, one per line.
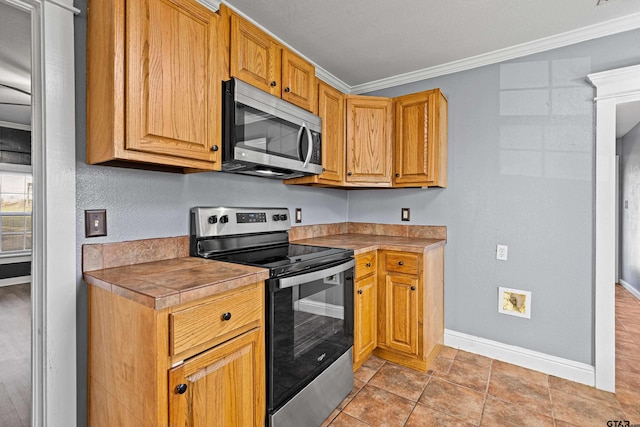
<point>285,259</point>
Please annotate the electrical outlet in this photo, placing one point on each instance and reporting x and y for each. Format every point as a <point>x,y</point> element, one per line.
<point>95,223</point>
<point>501,252</point>
<point>406,214</point>
<point>298,215</point>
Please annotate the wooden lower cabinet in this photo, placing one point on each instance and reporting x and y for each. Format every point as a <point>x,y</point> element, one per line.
<point>365,317</point>
<point>410,307</point>
<point>221,386</point>
<point>142,372</point>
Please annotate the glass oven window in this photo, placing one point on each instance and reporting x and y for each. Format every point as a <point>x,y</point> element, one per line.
<point>312,325</point>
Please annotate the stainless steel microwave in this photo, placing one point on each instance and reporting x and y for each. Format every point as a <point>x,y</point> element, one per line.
<point>262,135</point>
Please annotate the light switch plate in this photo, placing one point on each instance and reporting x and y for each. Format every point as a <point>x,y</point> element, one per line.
<point>298,215</point>
<point>406,214</point>
<point>95,222</point>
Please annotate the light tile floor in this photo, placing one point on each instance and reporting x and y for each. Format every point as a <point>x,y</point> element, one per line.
<point>464,389</point>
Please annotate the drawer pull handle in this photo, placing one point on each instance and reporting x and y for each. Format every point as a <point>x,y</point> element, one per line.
<point>181,388</point>
<point>400,263</point>
<point>226,316</point>
<point>359,291</point>
<point>368,265</point>
<point>413,288</point>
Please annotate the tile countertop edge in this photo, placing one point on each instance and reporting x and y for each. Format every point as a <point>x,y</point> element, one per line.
<point>367,243</point>
<point>173,297</point>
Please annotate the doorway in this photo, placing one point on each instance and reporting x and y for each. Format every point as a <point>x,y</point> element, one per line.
<point>613,87</point>
<point>15,216</point>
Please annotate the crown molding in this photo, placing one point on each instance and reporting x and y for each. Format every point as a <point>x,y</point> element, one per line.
<point>211,4</point>
<point>614,26</point>
<point>607,28</point>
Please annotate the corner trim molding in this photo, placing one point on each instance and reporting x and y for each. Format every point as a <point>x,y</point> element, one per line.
<point>631,289</point>
<point>551,365</point>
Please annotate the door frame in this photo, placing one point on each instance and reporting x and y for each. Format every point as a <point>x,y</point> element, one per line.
<point>613,87</point>
<point>53,271</point>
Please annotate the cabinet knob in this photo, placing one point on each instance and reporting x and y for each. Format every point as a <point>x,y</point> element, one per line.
<point>397,175</point>
<point>349,173</point>
<point>400,263</point>
<point>324,169</point>
<point>286,89</point>
<point>214,148</point>
<point>226,316</point>
<point>368,265</point>
<point>413,288</point>
<point>273,83</point>
<point>181,388</point>
<point>359,291</point>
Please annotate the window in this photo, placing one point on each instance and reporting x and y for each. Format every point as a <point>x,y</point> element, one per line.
<point>16,196</point>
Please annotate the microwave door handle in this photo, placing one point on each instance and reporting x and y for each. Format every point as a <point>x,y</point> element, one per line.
<point>310,144</point>
<point>300,140</point>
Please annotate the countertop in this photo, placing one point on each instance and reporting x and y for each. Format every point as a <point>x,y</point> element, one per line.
<point>160,284</point>
<point>361,243</point>
<point>166,283</point>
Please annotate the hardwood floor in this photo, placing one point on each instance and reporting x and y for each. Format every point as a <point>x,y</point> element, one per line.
<point>15,355</point>
<point>465,389</point>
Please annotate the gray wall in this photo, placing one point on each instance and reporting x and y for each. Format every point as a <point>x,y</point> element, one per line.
<point>630,216</point>
<point>521,173</point>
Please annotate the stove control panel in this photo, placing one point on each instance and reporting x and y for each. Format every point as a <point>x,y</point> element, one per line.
<point>221,221</point>
<point>243,217</point>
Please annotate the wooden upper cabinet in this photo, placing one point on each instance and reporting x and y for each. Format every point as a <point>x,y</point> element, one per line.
<point>331,110</point>
<point>153,92</point>
<point>369,140</point>
<point>255,57</point>
<point>259,60</point>
<point>298,80</point>
<point>420,140</point>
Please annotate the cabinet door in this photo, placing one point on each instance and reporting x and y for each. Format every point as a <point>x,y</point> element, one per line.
<point>421,139</point>
<point>365,336</point>
<point>223,387</point>
<point>255,57</point>
<point>368,145</point>
<point>298,80</point>
<point>172,86</point>
<point>331,110</point>
<point>401,293</point>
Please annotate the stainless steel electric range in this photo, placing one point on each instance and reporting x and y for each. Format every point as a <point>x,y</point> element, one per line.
<point>309,307</point>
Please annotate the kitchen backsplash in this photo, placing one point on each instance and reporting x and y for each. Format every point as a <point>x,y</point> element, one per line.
<point>108,255</point>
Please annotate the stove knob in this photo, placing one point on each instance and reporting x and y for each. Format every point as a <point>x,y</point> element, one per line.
<point>224,219</point>
<point>276,217</point>
<point>283,217</point>
<point>213,219</point>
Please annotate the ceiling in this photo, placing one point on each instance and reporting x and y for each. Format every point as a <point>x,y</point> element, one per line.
<point>15,65</point>
<point>363,45</point>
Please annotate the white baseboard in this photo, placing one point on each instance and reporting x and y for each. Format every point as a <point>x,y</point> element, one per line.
<point>627,286</point>
<point>321,308</point>
<point>551,365</point>
<point>15,281</point>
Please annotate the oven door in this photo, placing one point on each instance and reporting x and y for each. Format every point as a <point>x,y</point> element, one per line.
<point>310,326</point>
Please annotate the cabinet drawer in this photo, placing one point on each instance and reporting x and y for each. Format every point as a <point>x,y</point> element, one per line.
<point>402,262</point>
<point>197,325</point>
<point>365,264</point>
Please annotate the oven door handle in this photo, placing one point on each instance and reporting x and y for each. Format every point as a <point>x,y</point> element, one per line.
<point>288,282</point>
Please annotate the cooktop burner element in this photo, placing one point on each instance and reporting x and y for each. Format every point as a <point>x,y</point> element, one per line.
<point>255,236</point>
